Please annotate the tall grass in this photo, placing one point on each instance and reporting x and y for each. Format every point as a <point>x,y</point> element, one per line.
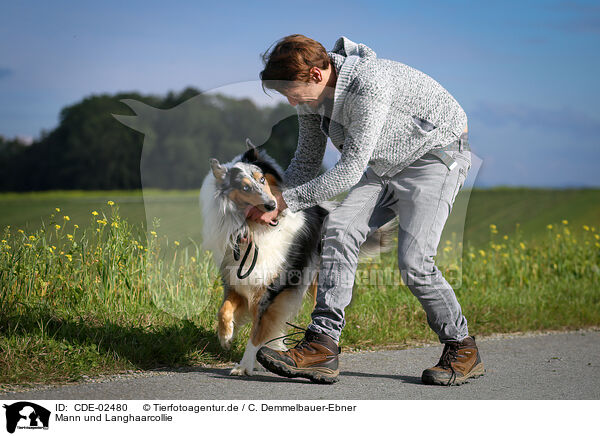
<point>97,298</point>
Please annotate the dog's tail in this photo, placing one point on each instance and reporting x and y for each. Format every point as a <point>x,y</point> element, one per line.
<point>381,241</point>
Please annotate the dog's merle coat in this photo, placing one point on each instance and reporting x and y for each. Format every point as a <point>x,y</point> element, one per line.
<point>288,259</point>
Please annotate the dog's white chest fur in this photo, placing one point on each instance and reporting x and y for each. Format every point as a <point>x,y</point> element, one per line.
<point>273,246</point>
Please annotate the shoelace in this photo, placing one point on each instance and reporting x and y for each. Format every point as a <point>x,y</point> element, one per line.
<point>287,339</point>
<point>450,353</point>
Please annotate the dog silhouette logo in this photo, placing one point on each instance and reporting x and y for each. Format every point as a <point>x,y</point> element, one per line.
<point>26,415</point>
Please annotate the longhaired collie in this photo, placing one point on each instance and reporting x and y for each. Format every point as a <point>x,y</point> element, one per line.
<point>266,269</point>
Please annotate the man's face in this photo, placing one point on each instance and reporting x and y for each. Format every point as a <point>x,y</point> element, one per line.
<point>308,93</point>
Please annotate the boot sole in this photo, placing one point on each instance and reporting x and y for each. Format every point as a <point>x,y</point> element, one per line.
<point>477,371</point>
<point>316,375</point>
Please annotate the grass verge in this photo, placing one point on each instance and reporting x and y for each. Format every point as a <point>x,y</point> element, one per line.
<point>98,299</point>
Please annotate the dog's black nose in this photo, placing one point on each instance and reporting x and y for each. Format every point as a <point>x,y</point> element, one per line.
<point>270,206</point>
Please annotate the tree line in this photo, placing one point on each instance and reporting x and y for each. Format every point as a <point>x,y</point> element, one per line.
<point>169,147</point>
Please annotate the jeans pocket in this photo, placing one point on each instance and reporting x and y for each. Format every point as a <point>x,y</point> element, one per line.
<point>464,158</point>
<point>462,176</point>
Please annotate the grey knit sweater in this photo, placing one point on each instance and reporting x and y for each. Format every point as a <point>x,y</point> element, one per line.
<point>385,115</point>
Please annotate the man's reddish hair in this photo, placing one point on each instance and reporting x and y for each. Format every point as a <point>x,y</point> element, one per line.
<point>291,60</point>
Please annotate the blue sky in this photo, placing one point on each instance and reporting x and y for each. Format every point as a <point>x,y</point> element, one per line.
<point>526,73</point>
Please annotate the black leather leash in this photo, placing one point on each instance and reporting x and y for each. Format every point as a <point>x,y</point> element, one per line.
<point>236,255</point>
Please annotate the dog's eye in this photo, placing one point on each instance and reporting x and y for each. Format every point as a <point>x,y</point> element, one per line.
<point>245,188</point>
<point>262,180</point>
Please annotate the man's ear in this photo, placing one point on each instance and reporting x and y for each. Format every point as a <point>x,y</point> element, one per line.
<point>316,74</point>
<point>218,170</point>
<point>252,154</point>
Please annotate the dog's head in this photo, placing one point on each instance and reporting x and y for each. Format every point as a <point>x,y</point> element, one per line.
<point>250,181</point>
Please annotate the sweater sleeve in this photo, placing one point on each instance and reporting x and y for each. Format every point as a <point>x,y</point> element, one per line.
<point>367,114</point>
<point>308,157</point>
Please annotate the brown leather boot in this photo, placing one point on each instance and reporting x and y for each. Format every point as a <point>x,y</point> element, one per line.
<point>315,357</point>
<point>459,362</point>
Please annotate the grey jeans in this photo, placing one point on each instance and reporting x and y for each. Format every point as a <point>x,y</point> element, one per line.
<point>421,195</point>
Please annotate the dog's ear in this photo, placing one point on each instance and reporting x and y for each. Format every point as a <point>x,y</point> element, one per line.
<point>218,170</point>
<point>252,154</point>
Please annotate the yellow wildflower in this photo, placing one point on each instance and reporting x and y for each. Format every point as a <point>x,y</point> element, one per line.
<point>21,231</point>
<point>597,236</point>
<point>110,203</point>
<point>193,259</point>
<point>176,243</point>
<point>472,255</point>
<point>549,226</point>
<point>522,245</point>
<point>57,209</point>
<point>565,222</point>
<point>597,245</point>
<point>153,233</point>
<point>115,224</point>
<point>68,256</point>
<point>505,237</point>
<point>586,228</point>
<point>493,226</point>
<point>32,238</point>
<point>67,218</point>
<point>70,236</point>
<point>51,250</point>
<point>94,213</point>
<point>57,226</point>
<point>482,253</point>
<point>76,226</point>
<point>28,245</point>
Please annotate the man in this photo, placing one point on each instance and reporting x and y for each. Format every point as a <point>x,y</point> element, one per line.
<point>404,152</point>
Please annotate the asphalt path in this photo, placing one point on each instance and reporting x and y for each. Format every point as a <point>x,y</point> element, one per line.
<point>539,366</point>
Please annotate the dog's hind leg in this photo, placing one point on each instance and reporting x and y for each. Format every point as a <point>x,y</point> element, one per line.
<point>233,308</point>
<point>248,362</point>
<point>268,324</point>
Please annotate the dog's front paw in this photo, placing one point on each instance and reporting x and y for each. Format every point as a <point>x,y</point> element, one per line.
<point>240,370</point>
<point>225,333</point>
<point>226,341</point>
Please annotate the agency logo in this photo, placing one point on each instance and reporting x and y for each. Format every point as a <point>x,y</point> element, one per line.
<point>26,415</point>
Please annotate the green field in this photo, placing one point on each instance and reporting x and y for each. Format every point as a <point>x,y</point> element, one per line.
<point>532,209</point>
<point>87,288</point>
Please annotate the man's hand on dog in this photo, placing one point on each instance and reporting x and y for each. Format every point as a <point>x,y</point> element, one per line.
<point>259,216</point>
